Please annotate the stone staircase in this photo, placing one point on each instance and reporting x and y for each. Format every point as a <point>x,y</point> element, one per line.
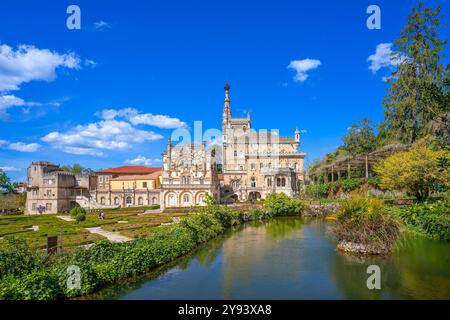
<point>89,203</point>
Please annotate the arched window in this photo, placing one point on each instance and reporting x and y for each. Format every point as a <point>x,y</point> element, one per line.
<point>172,200</point>
<point>253,166</point>
<point>235,153</point>
<point>154,200</point>
<point>186,199</point>
<point>116,200</point>
<point>269,165</point>
<point>102,200</point>
<point>269,182</point>
<point>129,200</point>
<point>140,201</point>
<point>253,182</point>
<point>283,182</point>
<point>201,199</point>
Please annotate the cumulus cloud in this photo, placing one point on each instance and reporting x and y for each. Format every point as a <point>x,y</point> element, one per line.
<point>91,138</point>
<point>383,58</point>
<point>143,161</point>
<point>24,147</point>
<point>301,68</point>
<point>136,118</point>
<point>28,63</point>
<point>102,25</point>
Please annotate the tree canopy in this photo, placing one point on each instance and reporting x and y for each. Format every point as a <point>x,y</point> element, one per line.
<point>417,93</point>
<point>360,138</point>
<point>5,182</point>
<point>76,168</point>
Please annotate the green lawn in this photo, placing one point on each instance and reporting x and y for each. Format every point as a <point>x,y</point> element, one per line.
<point>74,233</point>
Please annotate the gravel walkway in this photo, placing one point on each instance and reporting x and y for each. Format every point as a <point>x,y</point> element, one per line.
<point>111,236</point>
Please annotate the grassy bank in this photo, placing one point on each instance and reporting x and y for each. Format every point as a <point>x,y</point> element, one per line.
<point>25,274</point>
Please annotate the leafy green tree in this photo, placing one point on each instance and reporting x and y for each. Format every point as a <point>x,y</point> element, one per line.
<point>5,182</point>
<point>416,93</point>
<point>360,138</point>
<point>417,170</point>
<point>76,168</point>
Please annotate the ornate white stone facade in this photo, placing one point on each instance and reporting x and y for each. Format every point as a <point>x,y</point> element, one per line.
<point>257,163</point>
<point>189,175</point>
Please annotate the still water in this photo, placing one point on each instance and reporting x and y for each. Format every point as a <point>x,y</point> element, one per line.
<point>292,258</point>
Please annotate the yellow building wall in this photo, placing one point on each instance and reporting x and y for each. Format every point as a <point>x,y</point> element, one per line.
<point>129,184</point>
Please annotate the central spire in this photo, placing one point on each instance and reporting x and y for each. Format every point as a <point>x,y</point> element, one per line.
<point>227,92</point>
<point>226,116</point>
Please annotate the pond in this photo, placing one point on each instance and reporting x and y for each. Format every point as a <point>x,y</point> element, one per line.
<point>292,258</point>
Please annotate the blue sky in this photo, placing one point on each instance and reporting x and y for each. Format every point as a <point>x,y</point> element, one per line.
<point>158,65</point>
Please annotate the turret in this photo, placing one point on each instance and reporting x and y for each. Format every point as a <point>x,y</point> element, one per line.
<point>297,135</point>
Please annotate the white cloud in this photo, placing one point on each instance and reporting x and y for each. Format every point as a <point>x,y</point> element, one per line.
<point>141,160</point>
<point>133,115</point>
<point>83,151</point>
<point>29,63</point>
<point>3,142</point>
<point>105,134</point>
<point>24,147</point>
<point>302,67</point>
<point>102,25</point>
<point>8,169</point>
<point>9,101</point>
<point>383,58</point>
<point>90,63</point>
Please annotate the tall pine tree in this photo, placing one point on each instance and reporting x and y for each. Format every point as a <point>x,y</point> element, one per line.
<point>417,84</point>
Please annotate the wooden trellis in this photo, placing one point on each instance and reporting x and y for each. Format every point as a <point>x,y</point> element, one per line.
<point>343,166</point>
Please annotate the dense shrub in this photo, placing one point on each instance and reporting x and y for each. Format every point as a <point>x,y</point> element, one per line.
<point>280,204</point>
<point>317,191</point>
<point>74,212</point>
<point>433,219</point>
<point>16,258</point>
<point>364,220</point>
<point>80,217</point>
<point>348,185</point>
<point>375,182</point>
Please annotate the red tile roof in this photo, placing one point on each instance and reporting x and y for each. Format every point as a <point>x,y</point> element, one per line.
<point>131,170</point>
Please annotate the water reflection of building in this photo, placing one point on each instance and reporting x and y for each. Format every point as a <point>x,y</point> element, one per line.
<point>255,257</point>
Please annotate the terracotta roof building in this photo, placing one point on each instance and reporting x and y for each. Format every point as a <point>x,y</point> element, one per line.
<point>128,186</point>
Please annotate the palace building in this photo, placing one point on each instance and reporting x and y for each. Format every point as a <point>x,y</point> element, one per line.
<point>256,163</point>
<point>190,173</point>
<point>248,165</point>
